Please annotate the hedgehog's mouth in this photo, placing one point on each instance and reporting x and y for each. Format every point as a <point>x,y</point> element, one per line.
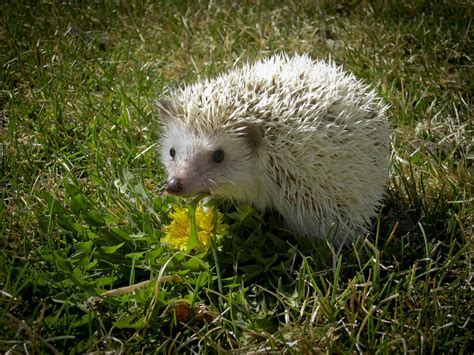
<point>178,186</point>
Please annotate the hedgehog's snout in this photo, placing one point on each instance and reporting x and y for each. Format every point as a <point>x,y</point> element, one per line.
<point>174,185</point>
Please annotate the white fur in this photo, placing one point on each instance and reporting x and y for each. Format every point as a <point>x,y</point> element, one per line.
<point>322,162</point>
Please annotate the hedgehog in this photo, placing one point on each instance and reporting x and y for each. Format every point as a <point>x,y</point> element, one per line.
<point>288,134</point>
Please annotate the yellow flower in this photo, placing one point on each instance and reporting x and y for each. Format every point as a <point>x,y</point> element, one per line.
<point>208,222</point>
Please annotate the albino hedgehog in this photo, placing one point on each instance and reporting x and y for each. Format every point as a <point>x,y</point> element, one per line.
<point>289,134</point>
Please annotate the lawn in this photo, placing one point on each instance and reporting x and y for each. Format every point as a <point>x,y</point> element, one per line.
<point>83,210</point>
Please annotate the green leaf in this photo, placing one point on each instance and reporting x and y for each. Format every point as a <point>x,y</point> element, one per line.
<point>94,218</point>
<point>105,281</point>
<point>86,247</point>
<point>120,234</point>
<point>78,227</point>
<point>128,322</point>
<point>91,264</point>
<point>195,264</point>
<point>92,236</point>
<point>112,249</point>
<point>78,203</point>
<point>85,319</point>
<point>193,240</point>
<point>136,255</point>
<point>63,264</point>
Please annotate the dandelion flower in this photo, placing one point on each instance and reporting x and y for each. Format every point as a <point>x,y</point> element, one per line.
<point>208,222</point>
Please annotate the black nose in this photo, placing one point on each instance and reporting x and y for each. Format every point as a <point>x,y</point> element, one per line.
<point>174,185</point>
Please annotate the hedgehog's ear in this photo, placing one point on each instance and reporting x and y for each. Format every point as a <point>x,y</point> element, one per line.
<point>166,107</point>
<point>253,135</point>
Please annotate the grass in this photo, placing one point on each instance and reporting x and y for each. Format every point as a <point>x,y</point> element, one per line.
<point>82,209</point>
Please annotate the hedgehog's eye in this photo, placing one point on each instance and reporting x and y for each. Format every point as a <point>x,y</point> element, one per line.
<point>218,156</point>
<point>172,152</point>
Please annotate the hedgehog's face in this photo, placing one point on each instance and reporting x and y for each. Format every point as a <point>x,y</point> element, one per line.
<point>224,164</point>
